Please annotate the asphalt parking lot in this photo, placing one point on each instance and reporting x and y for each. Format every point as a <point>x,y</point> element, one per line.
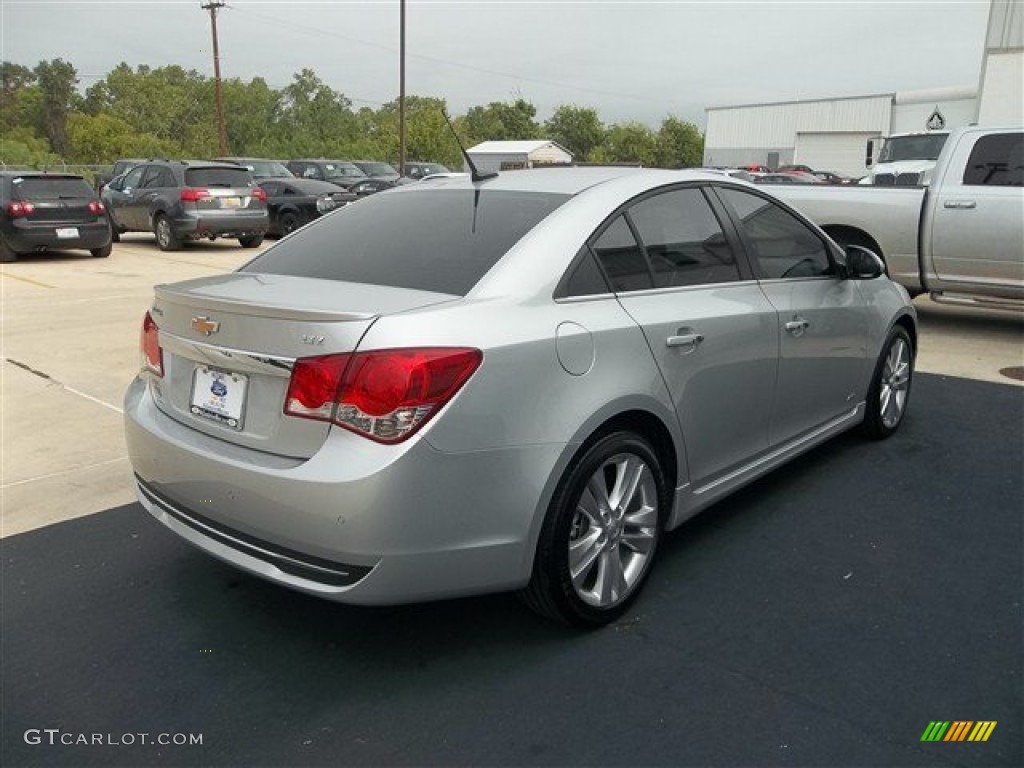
<point>823,616</point>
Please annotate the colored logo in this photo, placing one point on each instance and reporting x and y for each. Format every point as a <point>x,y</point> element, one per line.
<point>958,730</point>
<point>218,388</point>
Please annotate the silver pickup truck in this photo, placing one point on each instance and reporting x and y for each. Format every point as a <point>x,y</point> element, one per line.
<point>961,239</point>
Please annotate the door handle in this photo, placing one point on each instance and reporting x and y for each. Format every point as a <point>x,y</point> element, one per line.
<point>686,340</point>
<point>959,204</point>
<point>797,326</point>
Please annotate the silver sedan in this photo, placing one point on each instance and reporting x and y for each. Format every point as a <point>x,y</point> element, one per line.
<point>513,384</point>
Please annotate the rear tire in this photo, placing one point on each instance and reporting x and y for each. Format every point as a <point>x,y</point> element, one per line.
<point>889,393</point>
<point>165,234</point>
<point>251,241</point>
<point>102,253</point>
<point>115,234</point>
<point>289,223</point>
<point>601,533</point>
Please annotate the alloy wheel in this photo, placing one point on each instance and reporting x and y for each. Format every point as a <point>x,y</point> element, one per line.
<point>895,383</point>
<point>614,531</point>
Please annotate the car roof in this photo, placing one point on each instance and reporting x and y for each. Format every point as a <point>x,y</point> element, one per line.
<point>7,173</point>
<point>566,181</point>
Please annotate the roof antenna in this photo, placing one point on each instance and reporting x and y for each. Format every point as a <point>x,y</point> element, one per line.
<point>474,173</point>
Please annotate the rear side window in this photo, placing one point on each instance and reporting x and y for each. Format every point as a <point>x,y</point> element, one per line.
<point>217,177</point>
<point>684,241</point>
<point>996,161</point>
<point>37,188</point>
<point>431,240</point>
<point>783,246</point>
<point>622,259</point>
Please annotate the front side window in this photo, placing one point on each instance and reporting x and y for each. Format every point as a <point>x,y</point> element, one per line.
<point>782,245</point>
<point>684,241</point>
<point>133,178</point>
<point>996,161</point>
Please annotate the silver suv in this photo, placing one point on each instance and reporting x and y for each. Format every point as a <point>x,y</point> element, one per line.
<point>188,200</point>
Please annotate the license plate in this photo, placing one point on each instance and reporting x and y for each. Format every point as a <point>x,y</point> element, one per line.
<point>219,396</point>
<point>231,202</point>
<point>66,233</point>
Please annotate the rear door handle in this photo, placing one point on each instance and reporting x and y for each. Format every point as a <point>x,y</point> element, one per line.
<point>797,326</point>
<point>959,204</point>
<point>686,340</point>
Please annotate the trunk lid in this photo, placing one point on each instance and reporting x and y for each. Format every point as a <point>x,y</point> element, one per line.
<point>230,341</point>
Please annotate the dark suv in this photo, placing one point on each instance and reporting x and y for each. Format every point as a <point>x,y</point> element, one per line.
<point>50,211</point>
<point>188,200</point>
<point>344,173</point>
<point>259,167</point>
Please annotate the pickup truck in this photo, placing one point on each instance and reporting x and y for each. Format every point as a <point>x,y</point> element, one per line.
<point>961,238</point>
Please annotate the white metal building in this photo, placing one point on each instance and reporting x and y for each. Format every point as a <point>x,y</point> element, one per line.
<point>513,155</point>
<point>832,133</point>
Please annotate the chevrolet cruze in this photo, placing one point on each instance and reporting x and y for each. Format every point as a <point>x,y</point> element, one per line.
<point>518,383</point>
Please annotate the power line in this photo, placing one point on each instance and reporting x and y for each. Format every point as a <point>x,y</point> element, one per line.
<point>469,67</point>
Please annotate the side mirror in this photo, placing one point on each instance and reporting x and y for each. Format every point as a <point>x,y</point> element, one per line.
<point>869,157</point>
<point>863,263</point>
<point>116,182</point>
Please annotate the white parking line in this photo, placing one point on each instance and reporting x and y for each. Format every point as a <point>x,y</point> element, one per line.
<point>63,472</point>
<point>62,385</point>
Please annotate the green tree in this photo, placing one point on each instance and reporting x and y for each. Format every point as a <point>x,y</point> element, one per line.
<point>628,142</point>
<point>499,121</point>
<point>679,144</point>
<point>21,100</point>
<point>578,129</point>
<point>316,119</point>
<point>103,138</point>
<point>57,80</point>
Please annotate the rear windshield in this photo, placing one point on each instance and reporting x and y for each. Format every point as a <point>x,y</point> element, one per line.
<point>431,240</point>
<point>267,169</point>
<point>37,188</point>
<point>217,177</point>
<point>342,171</point>
<point>378,169</point>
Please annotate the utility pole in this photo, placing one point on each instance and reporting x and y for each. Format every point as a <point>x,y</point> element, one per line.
<point>222,133</point>
<point>401,91</point>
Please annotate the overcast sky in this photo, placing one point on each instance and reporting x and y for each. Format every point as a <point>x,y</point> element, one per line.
<point>632,60</point>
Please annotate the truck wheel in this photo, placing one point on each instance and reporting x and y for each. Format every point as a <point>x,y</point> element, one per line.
<point>601,533</point>
<point>889,393</point>
<point>165,234</point>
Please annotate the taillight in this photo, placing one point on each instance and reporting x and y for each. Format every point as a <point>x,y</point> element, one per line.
<point>96,207</point>
<point>385,395</point>
<point>194,194</point>
<point>17,208</point>
<point>152,355</point>
<point>259,193</point>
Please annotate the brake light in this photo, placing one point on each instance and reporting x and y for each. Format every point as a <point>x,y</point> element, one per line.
<point>194,194</point>
<point>17,208</point>
<point>387,395</point>
<point>96,207</point>
<point>259,193</point>
<point>152,354</point>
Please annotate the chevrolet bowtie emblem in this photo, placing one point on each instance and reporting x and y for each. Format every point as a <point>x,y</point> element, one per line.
<point>205,325</point>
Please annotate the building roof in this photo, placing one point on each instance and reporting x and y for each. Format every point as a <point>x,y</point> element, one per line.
<point>514,147</point>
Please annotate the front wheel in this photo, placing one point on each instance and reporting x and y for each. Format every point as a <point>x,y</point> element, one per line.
<point>601,532</point>
<point>890,386</point>
<point>250,241</point>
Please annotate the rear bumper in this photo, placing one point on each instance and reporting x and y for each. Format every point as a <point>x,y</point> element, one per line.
<point>233,224</point>
<point>24,237</point>
<point>358,522</point>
